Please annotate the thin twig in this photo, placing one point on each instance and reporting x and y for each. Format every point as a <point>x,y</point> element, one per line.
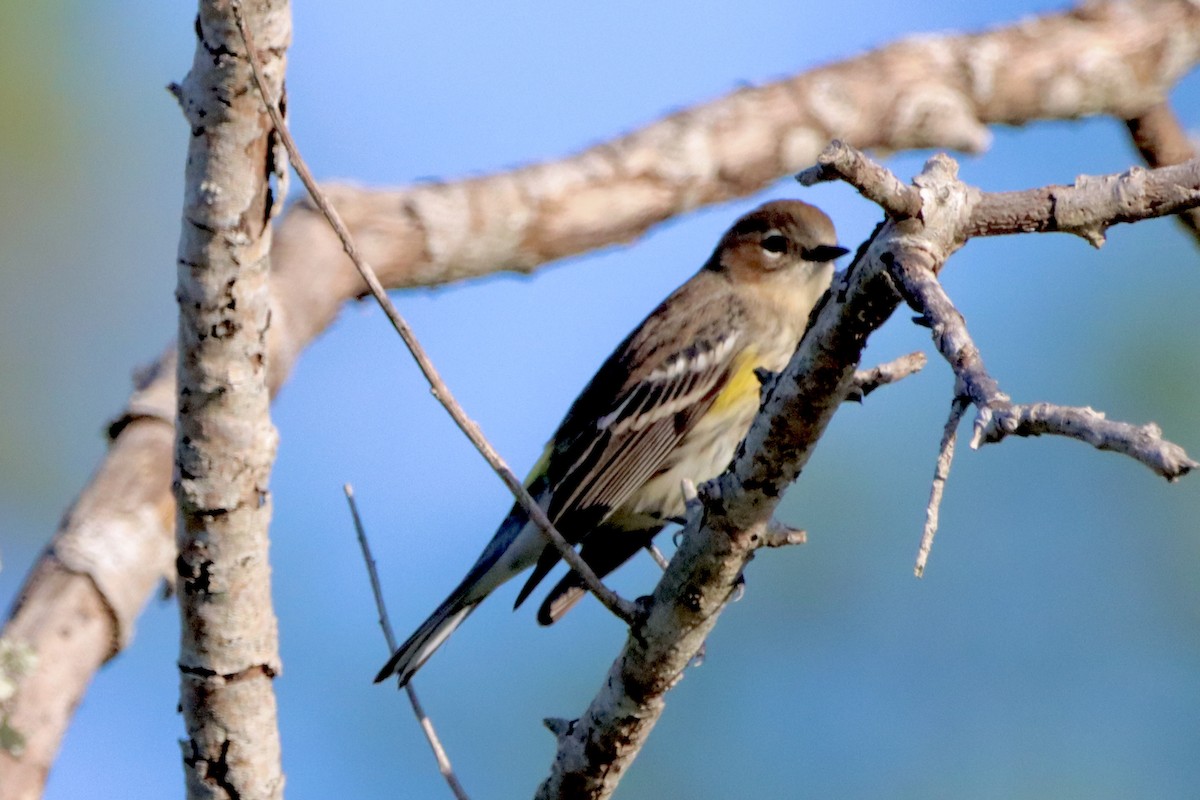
<point>372,572</point>
<point>840,161</point>
<point>1143,443</point>
<point>868,380</point>
<point>622,608</point>
<point>958,407</point>
<point>997,415</point>
<point>439,752</point>
<point>657,555</point>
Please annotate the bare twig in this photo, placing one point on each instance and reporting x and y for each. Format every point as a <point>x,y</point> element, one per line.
<point>618,606</point>
<point>657,555</point>
<point>372,572</point>
<point>1143,443</point>
<point>868,380</point>
<point>435,743</point>
<point>997,416</point>
<point>1091,205</point>
<point>80,602</point>
<point>958,407</point>
<point>1162,141</point>
<point>839,161</point>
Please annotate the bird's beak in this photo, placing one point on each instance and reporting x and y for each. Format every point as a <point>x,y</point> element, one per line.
<point>824,252</point>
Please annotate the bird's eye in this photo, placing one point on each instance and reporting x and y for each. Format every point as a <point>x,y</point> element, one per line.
<point>775,243</point>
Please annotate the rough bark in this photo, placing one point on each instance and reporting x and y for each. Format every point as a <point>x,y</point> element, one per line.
<point>1105,58</point>
<point>225,442</point>
<point>932,219</point>
<point>1162,141</point>
<point>595,751</point>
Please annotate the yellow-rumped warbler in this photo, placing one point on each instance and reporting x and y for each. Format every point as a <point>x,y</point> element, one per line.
<point>672,403</point>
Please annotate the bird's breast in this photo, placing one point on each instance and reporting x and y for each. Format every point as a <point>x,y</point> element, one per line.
<point>708,447</point>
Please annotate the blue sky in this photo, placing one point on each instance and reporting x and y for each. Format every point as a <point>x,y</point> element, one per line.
<point>1052,648</point>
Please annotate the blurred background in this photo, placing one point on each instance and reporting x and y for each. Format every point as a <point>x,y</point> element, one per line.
<point>1052,650</point>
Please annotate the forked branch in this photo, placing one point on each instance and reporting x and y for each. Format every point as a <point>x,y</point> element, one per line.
<point>1088,209</point>
<point>736,514</point>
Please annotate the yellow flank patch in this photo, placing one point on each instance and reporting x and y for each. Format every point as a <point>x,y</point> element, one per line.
<point>743,385</point>
<point>539,468</point>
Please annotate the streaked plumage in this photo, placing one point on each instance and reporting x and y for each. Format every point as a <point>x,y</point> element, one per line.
<point>672,402</point>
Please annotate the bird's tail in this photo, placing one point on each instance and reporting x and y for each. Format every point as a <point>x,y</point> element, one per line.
<point>429,637</point>
<point>513,549</point>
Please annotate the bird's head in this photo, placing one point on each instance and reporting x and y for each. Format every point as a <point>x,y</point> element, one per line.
<point>774,238</point>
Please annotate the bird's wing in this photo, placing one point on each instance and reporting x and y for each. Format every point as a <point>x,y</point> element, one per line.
<point>619,433</point>
<point>602,465</point>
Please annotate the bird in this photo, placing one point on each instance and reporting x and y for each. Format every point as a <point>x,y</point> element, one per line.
<point>672,403</point>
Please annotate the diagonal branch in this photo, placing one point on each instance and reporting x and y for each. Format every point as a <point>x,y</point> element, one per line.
<point>595,749</point>
<point>431,736</point>
<point>441,392</point>
<point>736,519</point>
<point>941,473</point>
<point>80,602</point>
<point>841,162</point>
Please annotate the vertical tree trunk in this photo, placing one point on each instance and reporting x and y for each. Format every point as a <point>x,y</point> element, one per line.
<point>225,442</point>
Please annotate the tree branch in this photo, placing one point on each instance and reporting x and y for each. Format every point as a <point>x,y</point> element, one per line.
<point>1092,205</point>
<point>595,750</point>
<point>868,380</point>
<point>225,442</point>
<point>80,602</point>
<point>1087,208</point>
<point>1112,58</point>
<point>941,473</point>
<point>841,162</point>
<point>441,392</point>
<point>998,416</point>
<point>435,743</point>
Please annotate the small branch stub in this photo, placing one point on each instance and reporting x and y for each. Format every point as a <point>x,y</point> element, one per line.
<point>839,161</point>
<point>868,380</point>
<point>780,535</point>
